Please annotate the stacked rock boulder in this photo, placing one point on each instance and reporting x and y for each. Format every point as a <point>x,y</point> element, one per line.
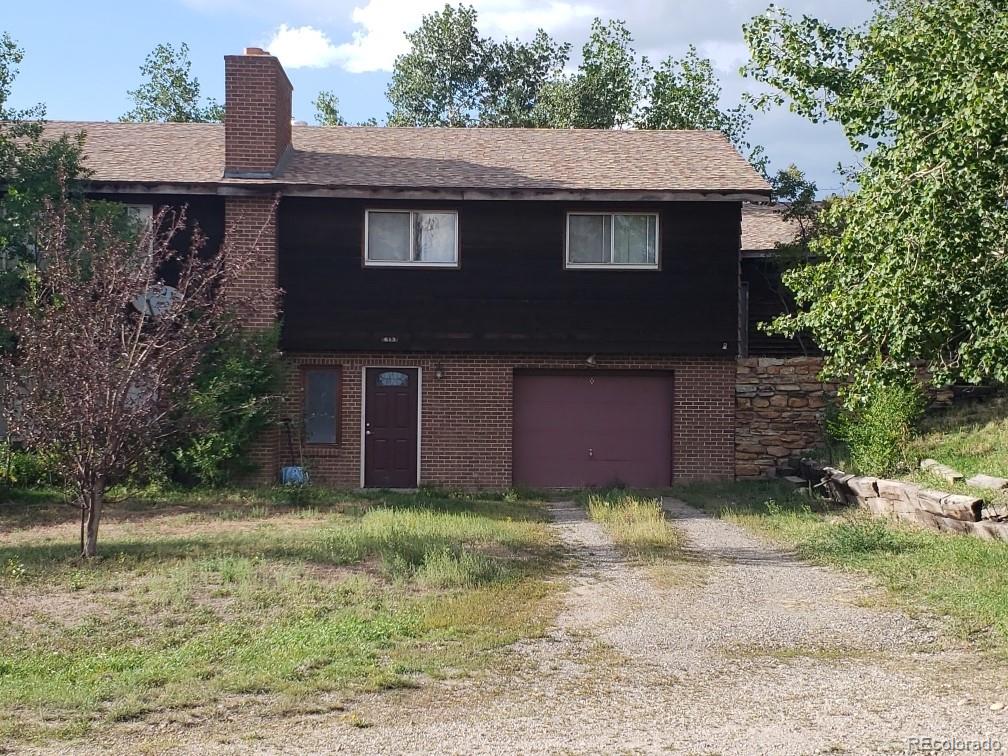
<point>908,502</point>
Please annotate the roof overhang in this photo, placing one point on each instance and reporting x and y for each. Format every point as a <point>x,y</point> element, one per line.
<point>245,188</point>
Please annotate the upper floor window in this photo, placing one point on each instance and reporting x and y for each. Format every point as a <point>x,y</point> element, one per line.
<point>140,215</point>
<point>141,218</point>
<point>612,240</point>
<point>401,238</point>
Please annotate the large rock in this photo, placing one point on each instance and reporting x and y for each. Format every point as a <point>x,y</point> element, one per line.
<point>950,525</point>
<point>954,506</point>
<point>990,531</point>
<point>877,506</point>
<point>961,507</point>
<point>945,472</point>
<point>989,482</point>
<point>931,501</point>
<point>897,490</point>
<point>863,486</point>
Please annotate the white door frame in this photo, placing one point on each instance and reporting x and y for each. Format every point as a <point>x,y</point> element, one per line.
<point>363,409</point>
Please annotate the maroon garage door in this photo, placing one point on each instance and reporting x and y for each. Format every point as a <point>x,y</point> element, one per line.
<point>592,429</point>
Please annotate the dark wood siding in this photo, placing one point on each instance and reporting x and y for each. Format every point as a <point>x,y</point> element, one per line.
<point>204,211</point>
<point>511,292</point>
<point>768,298</point>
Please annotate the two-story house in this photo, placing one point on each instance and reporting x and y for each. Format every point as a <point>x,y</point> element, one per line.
<point>475,307</point>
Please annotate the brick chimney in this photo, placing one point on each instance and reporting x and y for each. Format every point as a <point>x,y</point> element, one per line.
<point>257,119</point>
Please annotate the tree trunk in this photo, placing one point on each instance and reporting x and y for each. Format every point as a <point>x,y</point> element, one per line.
<point>93,503</point>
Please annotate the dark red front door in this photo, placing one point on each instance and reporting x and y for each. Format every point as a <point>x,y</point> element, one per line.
<point>390,427</point>
<point>592,429</point>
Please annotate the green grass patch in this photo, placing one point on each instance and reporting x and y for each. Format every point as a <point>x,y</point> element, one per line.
<point>195,601</point>
<point>962,579</point>
<point>971,437</point>
<point>637,524</point>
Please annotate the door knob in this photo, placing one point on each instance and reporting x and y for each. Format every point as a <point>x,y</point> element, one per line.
<point>591,452</point>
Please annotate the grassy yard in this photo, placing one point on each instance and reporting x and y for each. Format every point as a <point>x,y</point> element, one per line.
<point>971,437</point>
<point>960,578</point>
<point>197,601</point>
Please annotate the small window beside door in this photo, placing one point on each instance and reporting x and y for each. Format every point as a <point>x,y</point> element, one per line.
<point>321,406</point>
<point>411,238</point>
<point>612,240</point>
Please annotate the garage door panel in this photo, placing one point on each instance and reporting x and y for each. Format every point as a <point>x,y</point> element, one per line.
<point>577,429</point>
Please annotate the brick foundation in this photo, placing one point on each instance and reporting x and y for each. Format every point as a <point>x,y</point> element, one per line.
<point>467,414</point>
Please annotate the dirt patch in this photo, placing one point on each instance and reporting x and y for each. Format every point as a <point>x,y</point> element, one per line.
<point>32,608</point>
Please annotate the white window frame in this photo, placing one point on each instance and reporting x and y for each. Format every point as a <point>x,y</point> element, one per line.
<point>568,264</point>
<point>369,263</point>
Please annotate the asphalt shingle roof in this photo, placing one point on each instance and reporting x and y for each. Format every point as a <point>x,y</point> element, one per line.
<point>430,158</point>
<point>763,226</point>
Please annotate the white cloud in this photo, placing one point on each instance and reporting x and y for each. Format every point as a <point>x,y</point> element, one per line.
<point>303,47</point>
<point>381,25</point>
<point>725,55</point>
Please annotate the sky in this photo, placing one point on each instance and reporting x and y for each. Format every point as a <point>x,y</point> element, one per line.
<point>82,56</point>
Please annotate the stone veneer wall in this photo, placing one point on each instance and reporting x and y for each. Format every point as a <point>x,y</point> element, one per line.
<point>779,408</point>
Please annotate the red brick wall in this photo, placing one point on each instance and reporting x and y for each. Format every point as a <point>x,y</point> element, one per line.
<point>467,414</point>
<point>257,121</point>
<point>250,225</point>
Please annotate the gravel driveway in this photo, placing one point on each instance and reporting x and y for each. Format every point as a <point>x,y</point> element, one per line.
<point>747,651</point>
<point>738,649</point>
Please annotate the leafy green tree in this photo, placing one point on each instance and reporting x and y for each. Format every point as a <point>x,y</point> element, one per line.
<point>914,264</point>
<point>516,76</point>
<point>229,402</point>
<point>439,82</point>
<point>32,170</point>
<point>327,111</point>
<point>686,94</point>
<point>796,198</point>
<point>605,91</point>
<point>169,92</point>
<point>454,76</point>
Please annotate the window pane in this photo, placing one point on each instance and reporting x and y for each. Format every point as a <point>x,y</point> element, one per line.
<point>388,236</point>
<point>634,239</point>
<point>140,216</point>
<point>589,238</point>
<point>434,237</point>
<point>320,406</point>
<point>393,378</point>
